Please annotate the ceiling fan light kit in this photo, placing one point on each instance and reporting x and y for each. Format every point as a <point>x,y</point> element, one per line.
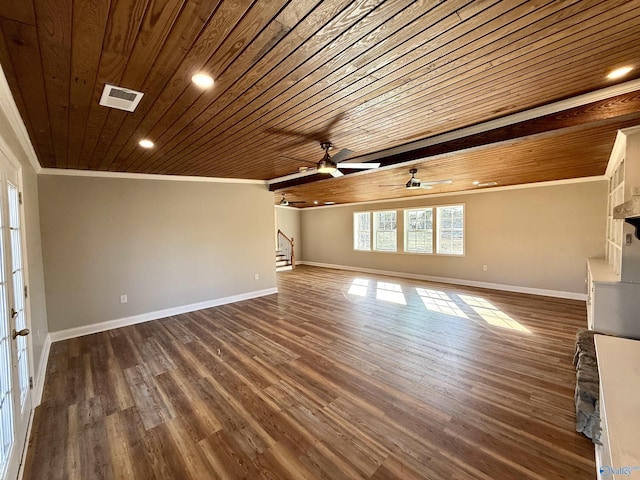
<point>326,165</point>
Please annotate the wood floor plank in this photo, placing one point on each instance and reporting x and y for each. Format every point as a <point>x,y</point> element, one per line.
<point>282,387</point>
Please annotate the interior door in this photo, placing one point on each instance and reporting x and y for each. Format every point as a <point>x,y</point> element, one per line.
<point>15,398</point>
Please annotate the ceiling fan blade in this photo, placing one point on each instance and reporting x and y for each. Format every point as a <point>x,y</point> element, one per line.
<point>297,160</point>
<point>313,136</point>
<point>358,165</point>
<point>342,155</point>
<point>426,187</point>
<point>337,173</point>
<point>437,182</point>
<point>326,131</point>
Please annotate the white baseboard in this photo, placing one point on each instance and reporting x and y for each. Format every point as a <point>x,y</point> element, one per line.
<point>23,460</point>
<point>36,396</point>
<point>146,317</point>
<point>456,281</point>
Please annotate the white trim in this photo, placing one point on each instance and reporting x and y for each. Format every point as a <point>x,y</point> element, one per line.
<point>146,317</point>
<point>40,373</point>
<point>548,109</point>
<point>9,107</point>
<point>23,460</point>
<point>144,176</point>
<point>618,150</point>
<point>551,183</point>
<point>456,281</point>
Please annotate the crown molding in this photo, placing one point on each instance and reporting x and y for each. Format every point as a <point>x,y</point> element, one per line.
<point>476,191</point>
<point>9,107</point>
<point>144,176</point>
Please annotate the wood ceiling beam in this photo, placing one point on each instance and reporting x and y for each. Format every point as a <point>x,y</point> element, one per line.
<point>618,107</point>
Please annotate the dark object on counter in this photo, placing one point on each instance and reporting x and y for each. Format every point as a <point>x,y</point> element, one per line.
<point>587,386</point>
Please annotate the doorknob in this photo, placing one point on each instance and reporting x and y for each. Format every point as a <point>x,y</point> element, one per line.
<point>23,333</point>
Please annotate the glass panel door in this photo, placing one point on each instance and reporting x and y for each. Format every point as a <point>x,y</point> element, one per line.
<point>15,398</point>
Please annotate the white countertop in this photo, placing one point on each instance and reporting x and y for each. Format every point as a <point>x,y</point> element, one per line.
<point>619,368</point>
<point>601,271</point>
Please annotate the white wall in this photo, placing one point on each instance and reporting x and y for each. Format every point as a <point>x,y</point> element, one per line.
<point>534,238</point>
<point>164,244</point>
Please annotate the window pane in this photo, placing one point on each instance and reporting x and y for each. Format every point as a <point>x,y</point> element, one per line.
<point>418,230</point>
<point>450,231</point>
<point>385,231</point>
<point>362,231</point>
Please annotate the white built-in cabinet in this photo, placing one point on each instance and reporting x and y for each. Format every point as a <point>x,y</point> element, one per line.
<point>613,295</point>
<point>613,307</point>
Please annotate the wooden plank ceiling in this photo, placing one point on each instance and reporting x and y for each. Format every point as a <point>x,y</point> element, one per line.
<point>367,75</point>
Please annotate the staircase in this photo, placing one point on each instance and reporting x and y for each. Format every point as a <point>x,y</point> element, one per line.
<point>282,263</point>
<point>285,257</point>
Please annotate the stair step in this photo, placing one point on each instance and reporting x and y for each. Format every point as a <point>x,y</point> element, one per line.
<point>281,263</point>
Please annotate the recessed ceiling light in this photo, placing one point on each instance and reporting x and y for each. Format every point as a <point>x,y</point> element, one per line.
<point>315,202</point>
<point>202,80</point>
<point>329,203</point>
<point>619,73</point>
<point>145,143</point>
<point>476,182</point>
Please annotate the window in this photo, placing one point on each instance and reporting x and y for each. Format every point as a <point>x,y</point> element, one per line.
<point>362,231</point>
<point>385,233</point>
<point>427,230</point>
<point>450,230</point>
<point>418,227</point>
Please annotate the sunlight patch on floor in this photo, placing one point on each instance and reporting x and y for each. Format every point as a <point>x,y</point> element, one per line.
<point>390,292</point>
<point>359,287</point>
<point>437,301</point>
<point>493,315</point>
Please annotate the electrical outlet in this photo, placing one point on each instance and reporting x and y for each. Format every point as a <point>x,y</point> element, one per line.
<point>123,299</point>
<point>257,276</point>
<point>635,191</point>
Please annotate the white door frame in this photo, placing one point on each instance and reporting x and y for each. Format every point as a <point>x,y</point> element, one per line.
<point>19,447</point>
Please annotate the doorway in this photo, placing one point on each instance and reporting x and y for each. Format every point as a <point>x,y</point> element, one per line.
<point>15,398</point>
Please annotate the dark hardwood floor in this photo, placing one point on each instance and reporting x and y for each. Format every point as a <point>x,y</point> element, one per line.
<point>332,378</point>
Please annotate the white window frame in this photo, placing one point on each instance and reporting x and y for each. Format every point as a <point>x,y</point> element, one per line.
<point>407,230</point>
<point>435,230</point>
<point>438,229</point>
<point>375,230</point>
<point>356,232</point>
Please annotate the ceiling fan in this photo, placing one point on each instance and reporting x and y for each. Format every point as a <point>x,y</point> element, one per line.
<point>415,183</point>
<point>332,165</point>
<point>285,203</point>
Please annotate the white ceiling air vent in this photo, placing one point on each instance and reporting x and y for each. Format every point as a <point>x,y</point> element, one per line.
<point>120,98</point>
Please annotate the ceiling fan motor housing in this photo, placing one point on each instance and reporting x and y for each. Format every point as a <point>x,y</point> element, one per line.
<point>413,183</point>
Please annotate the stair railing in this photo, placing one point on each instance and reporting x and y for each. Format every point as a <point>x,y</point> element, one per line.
<point>285,245</point>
